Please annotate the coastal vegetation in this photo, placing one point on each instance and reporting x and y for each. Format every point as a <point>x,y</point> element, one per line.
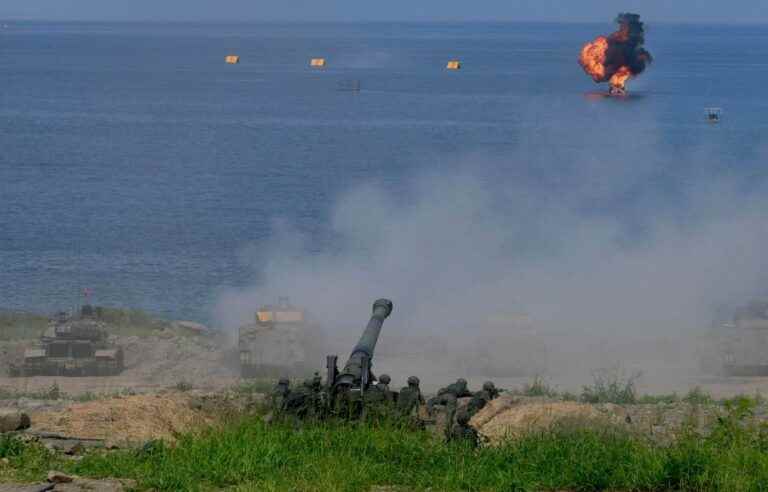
<point>244,453</point>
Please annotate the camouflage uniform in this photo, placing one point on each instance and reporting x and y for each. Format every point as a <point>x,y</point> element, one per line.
<point>279,395</point>
<point>306,401</point>
<point>491,389</point>
<point>380,393</point>
<point>448,398</point>
<point>462,431</point>
<point>410,398</point>
<point>318,397</point>
<point>449,395</point>
<point>481,398</point>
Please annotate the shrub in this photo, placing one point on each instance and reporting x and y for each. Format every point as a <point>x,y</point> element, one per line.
<point>611,386</point>
<point>539,387</point>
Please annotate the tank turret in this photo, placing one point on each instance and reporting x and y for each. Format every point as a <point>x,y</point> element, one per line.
<point>73,346</point>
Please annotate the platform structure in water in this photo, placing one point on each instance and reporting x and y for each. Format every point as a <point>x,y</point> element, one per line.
<point>713,115</point>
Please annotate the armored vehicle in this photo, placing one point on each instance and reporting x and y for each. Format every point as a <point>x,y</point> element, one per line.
<point>278,343</point>
<point>738,343</point>
<point>73,346</point>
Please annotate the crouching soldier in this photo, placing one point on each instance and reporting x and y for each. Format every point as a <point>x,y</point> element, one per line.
<point>462,432</point>
<point>450,394</point>
<point>307,401</point>
<point>448,398</point>
<point>481,398</point>
<point>277,401</point>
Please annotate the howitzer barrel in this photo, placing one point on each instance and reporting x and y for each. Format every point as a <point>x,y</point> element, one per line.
<point>367,343</point>
<point>357,365</point>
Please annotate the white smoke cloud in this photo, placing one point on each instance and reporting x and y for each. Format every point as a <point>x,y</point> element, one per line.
<point>459,245</point>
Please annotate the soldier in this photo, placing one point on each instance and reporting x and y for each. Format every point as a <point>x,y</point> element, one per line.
<point>481,398</point>
<point>384,381</point>
<point>318,397</point>
<point>379,392</point>
<point>459,388</point>
<point>383,387</point>
<point>317,382</point>
<point>304,402</point>
<point>280,395</point>
<point>462,431</point>
<point>448,398</point>
<point>491,389</point>
<point>449,395</point>
<point>410,398</point>
<point>379,399</point>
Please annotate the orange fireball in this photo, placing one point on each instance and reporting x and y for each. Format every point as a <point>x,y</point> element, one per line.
<point>619,79</point>
<point>619,56</point>
<point>593,57</point>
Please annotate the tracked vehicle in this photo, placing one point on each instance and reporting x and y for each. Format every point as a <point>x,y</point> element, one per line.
<point>278,342</point>
<point>73,346</point>
<point>737,343</point>
<point>744,341</point>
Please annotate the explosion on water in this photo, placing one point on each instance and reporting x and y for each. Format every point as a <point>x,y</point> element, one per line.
<point>618,57</point>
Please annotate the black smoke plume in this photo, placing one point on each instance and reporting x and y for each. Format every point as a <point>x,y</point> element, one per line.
<point>617,57</point>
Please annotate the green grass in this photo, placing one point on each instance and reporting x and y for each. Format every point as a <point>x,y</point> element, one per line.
<point>611,386</point>
<point>125,322</point>
<point>539,387</point>
<point>348,457</point>
<point>132,322</point>
<point>19,325</point>
<point>695,396</point>
<point>258,386</point>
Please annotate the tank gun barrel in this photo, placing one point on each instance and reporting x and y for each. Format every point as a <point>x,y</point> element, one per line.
<point>356,371</point>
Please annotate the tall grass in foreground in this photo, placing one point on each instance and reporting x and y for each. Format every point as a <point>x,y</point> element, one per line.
<point>348,457</point>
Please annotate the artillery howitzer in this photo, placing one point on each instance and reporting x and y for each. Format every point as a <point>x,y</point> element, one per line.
<point>356,377</point>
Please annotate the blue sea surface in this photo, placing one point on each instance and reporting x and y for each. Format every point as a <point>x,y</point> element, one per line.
<point>136,163</point>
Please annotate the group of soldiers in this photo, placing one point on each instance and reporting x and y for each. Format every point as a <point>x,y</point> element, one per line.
<point>458,418</point>
<point>310,400</point>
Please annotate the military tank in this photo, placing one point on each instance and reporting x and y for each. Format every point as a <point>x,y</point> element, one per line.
<point>737,342</point>
<point>278,343</point>
<point>73,346</point>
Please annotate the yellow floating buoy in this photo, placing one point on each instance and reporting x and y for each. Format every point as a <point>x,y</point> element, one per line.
<point>317,62</point>
<point>453,65</point>
<point>232,59</point>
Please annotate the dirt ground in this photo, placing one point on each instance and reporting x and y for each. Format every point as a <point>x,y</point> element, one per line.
<point>126,419</point>
<point>509,416</point>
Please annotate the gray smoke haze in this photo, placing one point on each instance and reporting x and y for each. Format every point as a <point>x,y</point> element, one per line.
<point>468,248</point>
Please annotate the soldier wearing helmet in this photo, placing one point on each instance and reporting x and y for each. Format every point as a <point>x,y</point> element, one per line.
<point>481,398</point>
<point>410,398</point>
<point>461,431</point>
<point>384,381</point>
<point>493,392</point>
<point>280,394</point>
<point>380,393</point>
<point>449,395</point>
<point>457,389</point>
